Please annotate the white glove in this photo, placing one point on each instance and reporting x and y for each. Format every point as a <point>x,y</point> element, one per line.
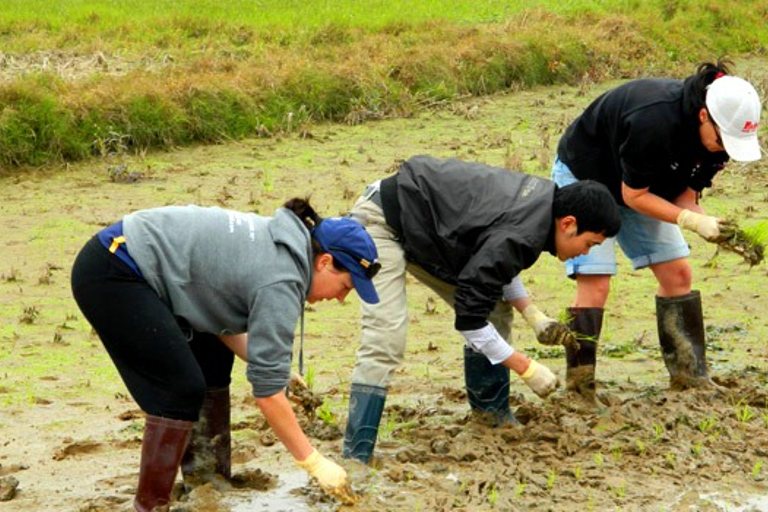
<point>540,379</point>
<point>709,228</point>
<point>548,330</point>
<point>331,477</point>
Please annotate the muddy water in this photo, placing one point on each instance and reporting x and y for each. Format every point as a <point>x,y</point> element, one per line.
<point>725,502</point>
<point>287,496</point>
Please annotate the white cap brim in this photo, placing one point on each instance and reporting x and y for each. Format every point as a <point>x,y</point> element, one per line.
<point>741,149</point>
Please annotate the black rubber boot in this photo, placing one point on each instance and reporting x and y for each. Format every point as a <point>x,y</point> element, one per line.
<point>163,444</point>
<point>366,403</point>
<point>209,452</point>
<point>487,389</point>
<point>681,335</point>
<point>586,324</point>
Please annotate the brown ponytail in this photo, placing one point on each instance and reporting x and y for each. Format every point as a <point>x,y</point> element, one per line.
<point>307,214</point>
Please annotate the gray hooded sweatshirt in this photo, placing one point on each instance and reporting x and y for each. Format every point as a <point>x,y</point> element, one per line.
<point>228,272</point>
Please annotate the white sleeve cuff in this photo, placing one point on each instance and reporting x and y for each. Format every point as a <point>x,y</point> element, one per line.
<point>514,290</point>
<point>488,341</point>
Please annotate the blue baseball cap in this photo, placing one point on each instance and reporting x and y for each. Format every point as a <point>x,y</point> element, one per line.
<point>352,247</point>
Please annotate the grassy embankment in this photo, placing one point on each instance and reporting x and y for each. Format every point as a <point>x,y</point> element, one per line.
<point>83,78</point>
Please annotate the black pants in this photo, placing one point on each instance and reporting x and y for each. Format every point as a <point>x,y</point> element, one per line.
<point>165,367</point>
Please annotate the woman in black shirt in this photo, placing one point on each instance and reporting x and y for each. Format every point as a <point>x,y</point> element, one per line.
<point>656,144</point>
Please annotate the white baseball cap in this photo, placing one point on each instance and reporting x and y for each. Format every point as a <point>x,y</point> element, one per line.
<point>735,108</point>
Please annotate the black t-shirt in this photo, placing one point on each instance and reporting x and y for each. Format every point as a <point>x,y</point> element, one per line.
<point>644,133</point>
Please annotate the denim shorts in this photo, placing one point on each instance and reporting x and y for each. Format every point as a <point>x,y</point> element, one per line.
<point>644,240</point>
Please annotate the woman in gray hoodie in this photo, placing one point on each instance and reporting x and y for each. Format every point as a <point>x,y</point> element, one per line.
<point>169,291</point>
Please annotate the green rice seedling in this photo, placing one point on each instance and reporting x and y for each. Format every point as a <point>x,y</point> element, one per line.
<point>544,352</point>
<point>707,424</point>
<point>616,453</point>
<point>519,489</point>
<point>309,378</point>
<point>756,469</point>
<point>268,181</point>
<point>387,428</point>
<point>744,413</point>
<point>551,479</point>
<point>640,447</point>
<point>325,414</point>
<point>599,460</point>
<point>696,449</point>
<point>618,351</point>
<point>493,495</point>
<point>591,502</point>
<point>658,431</point>
<point>564,317</point>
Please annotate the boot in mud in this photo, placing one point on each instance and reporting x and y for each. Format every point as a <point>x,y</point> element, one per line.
<point>586,324</point>
<point>487,390</point>
<point>163,444</point>
<point>681,335</point>
<point>366,404</point>
<point>208,457</point>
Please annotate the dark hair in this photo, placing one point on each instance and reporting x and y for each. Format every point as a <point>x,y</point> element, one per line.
<point>304,211</point>
<point>591,203</point>
<point>307,214</point>
<point>706,73</point>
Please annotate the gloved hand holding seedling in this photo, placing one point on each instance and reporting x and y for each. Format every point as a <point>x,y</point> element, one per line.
<point>711,229</point>
<point>548,330</point>
<point>748,243</point>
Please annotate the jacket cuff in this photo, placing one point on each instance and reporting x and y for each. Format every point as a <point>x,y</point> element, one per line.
<point>488,341</point>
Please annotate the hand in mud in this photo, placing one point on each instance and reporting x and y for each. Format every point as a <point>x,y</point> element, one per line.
<point>331,477</point>
<point>540,379</point>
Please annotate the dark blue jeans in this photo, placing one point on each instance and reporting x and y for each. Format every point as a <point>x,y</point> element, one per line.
<point>166,366</point>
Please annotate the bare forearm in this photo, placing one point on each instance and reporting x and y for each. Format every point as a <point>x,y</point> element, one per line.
<point>653,206</point>
<point>521,303</point>
<point>279,414</point>
<point>517,362</point>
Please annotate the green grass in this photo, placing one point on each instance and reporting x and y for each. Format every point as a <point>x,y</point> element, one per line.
<point>158,75</point>
<point>373,14</point>
<point>169,24</point>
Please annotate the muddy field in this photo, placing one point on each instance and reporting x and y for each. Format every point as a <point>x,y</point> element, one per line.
<point>70,434</point>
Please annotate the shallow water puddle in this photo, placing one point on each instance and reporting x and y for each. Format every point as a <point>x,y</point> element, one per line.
<point>282,498</point>
<point>739,502</point>
<point>733,501</point>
